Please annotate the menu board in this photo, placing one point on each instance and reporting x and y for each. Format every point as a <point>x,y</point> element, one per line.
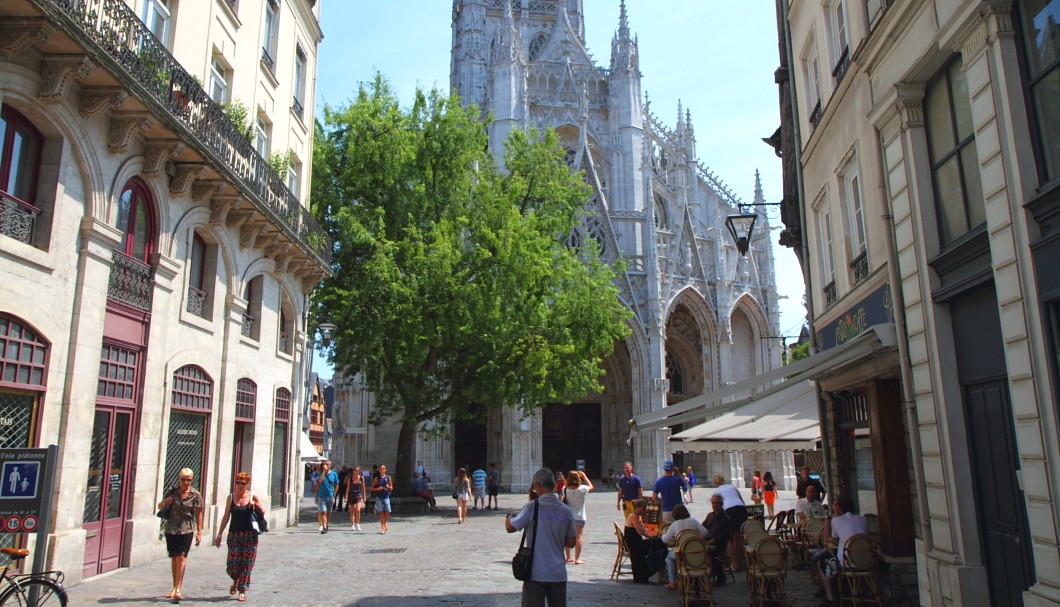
<point>652,518</point>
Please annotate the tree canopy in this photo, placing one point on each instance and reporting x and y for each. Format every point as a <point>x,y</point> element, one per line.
<point>455,287</point>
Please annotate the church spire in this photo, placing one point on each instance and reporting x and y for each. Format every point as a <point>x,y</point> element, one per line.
<point>623,49</point>
<point>623,22</point>
<point>759,197</point>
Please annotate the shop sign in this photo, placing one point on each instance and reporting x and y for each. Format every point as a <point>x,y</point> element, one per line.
<point>874,309</point>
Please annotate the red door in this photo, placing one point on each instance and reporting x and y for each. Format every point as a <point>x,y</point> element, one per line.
<point>105,497</point>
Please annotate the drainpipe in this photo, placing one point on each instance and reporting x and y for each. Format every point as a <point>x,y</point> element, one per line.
<point>908,393</point>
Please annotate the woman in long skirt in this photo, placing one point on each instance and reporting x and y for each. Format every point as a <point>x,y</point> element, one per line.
<point>242,540</point>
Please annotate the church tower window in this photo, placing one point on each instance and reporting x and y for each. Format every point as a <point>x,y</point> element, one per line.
<point>536,44</point>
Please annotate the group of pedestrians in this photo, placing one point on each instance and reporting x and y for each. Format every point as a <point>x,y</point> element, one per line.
<point>184,522</point>
<point>331,489</point>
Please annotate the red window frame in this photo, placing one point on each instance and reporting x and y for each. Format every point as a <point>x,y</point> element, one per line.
<point>140,208</point>
<point>246,400</point>
<point>15,123</point>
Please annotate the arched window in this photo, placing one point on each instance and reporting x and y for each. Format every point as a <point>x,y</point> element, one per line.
<point>23,355</point>
<point>136,221</point>
<point>536,44</point>
<point>278,477</point>
<point>189,416</point>
<point>673,373</point>
<point>20,157</point>
<point>246,400</point>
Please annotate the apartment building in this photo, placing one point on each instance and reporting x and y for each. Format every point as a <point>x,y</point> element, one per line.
<point>157,252</point>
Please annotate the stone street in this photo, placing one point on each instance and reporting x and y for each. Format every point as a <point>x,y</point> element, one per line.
<point>426,559</point>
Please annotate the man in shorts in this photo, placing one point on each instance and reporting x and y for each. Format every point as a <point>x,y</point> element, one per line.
<point>493,486</point>
<point>478,487</point>
<point>381,489</point>
<point>630,489</point>
<point>326,483</point>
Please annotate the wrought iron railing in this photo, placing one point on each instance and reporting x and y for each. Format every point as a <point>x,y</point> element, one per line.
<point>17,219</point>
<point>841,66</point>
<point>246,329</point>
<point>111,33</point>
<point>266,58</point>
<point>860,265</point>
<point>815,115</point>
<point>830,295</point>
<point>296,105</point>
<point>283,343</point>
<point>131,282</point>
<point>196,301</point>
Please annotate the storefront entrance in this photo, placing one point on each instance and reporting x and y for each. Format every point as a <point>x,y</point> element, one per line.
<point>105,504</point>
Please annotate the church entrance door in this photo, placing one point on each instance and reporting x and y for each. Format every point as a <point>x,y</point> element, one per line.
<point>571,433</point>
<point>470,445</point>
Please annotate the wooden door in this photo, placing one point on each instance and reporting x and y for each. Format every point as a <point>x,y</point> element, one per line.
<point>571,433</point>
<point>107,490</point>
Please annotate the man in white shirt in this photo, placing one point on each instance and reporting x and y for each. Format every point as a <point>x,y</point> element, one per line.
<point>548,577</point>
<point>842,526</point>
<point>808,507</point>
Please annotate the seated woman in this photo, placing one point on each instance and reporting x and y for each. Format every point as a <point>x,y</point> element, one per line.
<point>682,521</point>
<point>640,544</point>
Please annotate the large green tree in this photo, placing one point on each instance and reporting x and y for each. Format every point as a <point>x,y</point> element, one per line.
<point>456,288</point>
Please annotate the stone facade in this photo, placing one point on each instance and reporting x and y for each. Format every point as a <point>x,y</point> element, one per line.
<point>155,266</point>
<point>703,315</point>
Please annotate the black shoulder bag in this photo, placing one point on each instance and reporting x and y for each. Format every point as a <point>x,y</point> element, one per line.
<point>523,562</point>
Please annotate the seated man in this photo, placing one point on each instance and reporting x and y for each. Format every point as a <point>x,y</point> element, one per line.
<point>719,530</point>
<point>682,521</point>
<point>809,507</point>
<point>421,487</point>
<point>842,525</point>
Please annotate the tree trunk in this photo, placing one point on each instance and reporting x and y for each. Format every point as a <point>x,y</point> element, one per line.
<point>403,466</point>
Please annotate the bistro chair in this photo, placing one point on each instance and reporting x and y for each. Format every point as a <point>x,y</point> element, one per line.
<point>767,569</point>
<point>623,556</point>
<point>779,527</point>
<point>750,525</point>
<point>751,539</point>
<point>694,574</point>
<point>723,559</point>
<point>810,542</point>
<point>857,578</point>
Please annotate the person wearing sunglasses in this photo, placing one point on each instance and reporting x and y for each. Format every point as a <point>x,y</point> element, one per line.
<point>242,540</point>
<point>184,522</point>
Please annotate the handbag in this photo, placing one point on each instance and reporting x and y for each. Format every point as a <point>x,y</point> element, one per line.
<point>455,495</point>
<point>164,512</point>
<point>523,561</point>
<point>258,522</point>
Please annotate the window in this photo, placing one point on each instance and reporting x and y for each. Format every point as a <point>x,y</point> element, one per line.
<point>285,343</point>
<point>278,480</point>
<point>261,137</point>
<point>20,157</point>
<point>196,279</point>
<point>157,18</point>
<point>218,81</point>
<point>855,212</point>
<point>251,327</point>
<point>954,159</point>
<point>840,49</point>
<point>136,222</point>
<point>299,81</point>
<point>536,44</point>
<point>246,399</point>
<point>293,179</point>
<point>812,70</point>
<point>1040,29</point>
<point>824,234</point>
<point>23,355</point>
<point>192,400</point>
<point>269,34</point>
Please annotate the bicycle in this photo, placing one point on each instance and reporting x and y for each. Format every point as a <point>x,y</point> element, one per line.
<point>30,589</point>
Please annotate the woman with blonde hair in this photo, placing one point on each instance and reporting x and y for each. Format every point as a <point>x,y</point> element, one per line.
<point>462,487</point>
<point>184,521</point>
<point>242,540</point>
<point>578,486</point>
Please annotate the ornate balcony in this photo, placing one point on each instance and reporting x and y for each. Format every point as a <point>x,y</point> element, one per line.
<point>131,282</point>
<point>196,301</point>
<point>860,266</point>
<point>283,343</point>
<point>841,66</point>
<point>112,37</point>
<point>17,218</point>
<point>830,295</point>
<point>815,115</point>
<point>246,329</point>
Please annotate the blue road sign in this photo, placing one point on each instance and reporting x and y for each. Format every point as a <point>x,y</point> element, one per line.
<point>20,480</point>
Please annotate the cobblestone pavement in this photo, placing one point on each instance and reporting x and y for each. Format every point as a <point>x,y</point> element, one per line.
<point>426,559</point>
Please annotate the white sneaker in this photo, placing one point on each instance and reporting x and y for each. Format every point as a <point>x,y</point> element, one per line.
<point>320,527</point>
<point>352,526</point>
<point>358,527</point>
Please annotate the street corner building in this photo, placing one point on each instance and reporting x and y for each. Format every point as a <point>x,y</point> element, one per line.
<point>157,251</point>
<point>923,189</point>
<point>703,315</point>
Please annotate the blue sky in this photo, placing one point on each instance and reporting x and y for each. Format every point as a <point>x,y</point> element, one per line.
<point>715,57</point>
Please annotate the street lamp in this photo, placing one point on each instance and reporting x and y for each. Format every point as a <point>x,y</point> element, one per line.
<point>326,330</point>
<point>741,226</point>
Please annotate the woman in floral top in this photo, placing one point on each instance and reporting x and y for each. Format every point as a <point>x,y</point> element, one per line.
<point>185,520</point>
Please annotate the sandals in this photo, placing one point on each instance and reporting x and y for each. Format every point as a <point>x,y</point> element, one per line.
<point>234,589</point>
<point>178,596</point>
<point>242,597</point>
<point>579,562</point>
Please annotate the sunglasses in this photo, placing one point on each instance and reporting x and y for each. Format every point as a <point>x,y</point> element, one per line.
<point>241,482</point>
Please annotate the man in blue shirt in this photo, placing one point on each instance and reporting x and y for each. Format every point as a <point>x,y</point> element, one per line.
<point>669,488</point>
<point>555,530</point>
<point>324,487</point>
<point>630,489</point>
<point>478,487</point>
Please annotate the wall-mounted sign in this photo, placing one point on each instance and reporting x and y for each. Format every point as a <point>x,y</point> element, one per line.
<point>876,308</point>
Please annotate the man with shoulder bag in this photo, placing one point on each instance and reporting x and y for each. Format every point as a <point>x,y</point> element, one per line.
<point>550,526</point>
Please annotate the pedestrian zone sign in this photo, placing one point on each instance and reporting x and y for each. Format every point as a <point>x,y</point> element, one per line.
<point>20,480</point>
<point>22,489</point>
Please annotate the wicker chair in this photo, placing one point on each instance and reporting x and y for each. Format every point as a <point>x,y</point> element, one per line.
<point>750,525</point>
<point>768,570</point>
<point>623,556</point>
<point>810,542</point>
<point>694,573</point>
<point>857,578</point>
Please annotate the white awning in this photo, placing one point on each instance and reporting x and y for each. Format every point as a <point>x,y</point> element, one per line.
<point>870,341</point>
<point>308,449</point>
<point>788,415</point>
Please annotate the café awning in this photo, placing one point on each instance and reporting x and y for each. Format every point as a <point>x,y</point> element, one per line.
<point>308,449</point>
<point>788,416</point>
<point>868,342</point>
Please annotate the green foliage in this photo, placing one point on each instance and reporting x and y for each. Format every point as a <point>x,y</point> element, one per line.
<point>237,112</point>
<point>280,163</point>
<point>452,287</point>
<point>798,352</point>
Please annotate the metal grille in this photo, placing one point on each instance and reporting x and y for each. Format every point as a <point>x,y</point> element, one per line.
<point>17,218</point>
<point>283,343</point>
<point>117,373</point>
<point>23,355</point>
<point>283,405</point>
<point>246,399</point>
<point>385,550</point>
<point>851,409</point>
<point>278,479</point>
<point>196,301</point>
<point>97,460</point>
<point>16,427</point>
<point>131,282</point>
<point>187,433</point>
<point>830,294</point>
<point>192,389</point>
<point>247,328</point>
<point>861,267</point>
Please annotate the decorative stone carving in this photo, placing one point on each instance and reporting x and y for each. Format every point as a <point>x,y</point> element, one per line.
<point>265,238</point>
<point>248,233</point>
<point>96,99</point>
<point>186,173</point>
<point>205,188</point>
<point>220,207</point>
<point>16,35</point>
<point>122,127</point>
<point>158,152</point>
<point>57,72</point>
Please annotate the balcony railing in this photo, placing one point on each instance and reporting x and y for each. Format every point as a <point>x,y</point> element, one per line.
<point>17,218</point>
<point>114,37</point>
<point>830,295</point>
<point>296,105</point>
<point>196,301</point>
<point>131,282</point>
<point>247,328</point>
<point>283,343</point>
<point>815,115</point>
<point>860,266</point>
<point>266,58</point>
<point>841,66</point>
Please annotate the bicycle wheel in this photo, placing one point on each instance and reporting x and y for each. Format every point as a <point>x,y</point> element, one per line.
<point>45,593</point>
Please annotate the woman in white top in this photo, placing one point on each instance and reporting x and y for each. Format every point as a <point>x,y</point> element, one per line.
<point>462,488</point>
<point>578,486</point>
<point>732,503</point>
